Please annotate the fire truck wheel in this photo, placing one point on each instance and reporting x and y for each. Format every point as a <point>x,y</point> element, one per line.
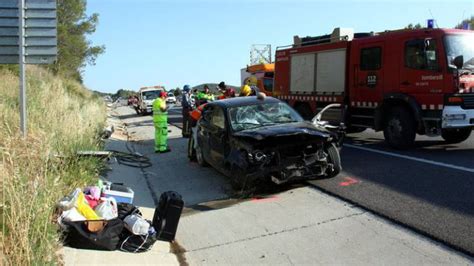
<point>400,128</point>
<point>456,135</point>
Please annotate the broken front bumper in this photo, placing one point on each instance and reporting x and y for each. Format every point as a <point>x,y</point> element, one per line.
<point>294,168</point>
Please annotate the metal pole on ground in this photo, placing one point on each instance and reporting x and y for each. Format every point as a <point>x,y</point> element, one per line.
<point>21,35</point>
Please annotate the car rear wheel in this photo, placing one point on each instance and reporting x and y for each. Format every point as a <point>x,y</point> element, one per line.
<point>191,150</point>
<point>200,157</point>
<point>456,135</point>
<point>334,158</point>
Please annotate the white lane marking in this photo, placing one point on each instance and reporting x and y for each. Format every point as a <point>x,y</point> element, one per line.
<point>470,170</point>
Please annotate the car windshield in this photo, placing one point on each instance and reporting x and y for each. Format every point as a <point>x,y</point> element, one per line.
<point>258,115</point>
<point>150,95</point>
<point>457,45</point>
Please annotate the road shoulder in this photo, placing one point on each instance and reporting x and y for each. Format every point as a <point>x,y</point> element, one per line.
<point>161,253</point>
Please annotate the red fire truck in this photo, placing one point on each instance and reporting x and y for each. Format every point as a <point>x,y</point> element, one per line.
<point>403,82</point>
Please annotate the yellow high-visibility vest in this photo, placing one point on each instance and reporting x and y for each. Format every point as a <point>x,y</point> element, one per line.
<point>158,114</point>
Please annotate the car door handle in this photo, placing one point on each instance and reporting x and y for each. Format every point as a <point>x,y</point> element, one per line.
<point>405,83</point>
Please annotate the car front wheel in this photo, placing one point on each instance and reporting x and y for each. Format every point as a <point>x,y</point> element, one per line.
<point>239,180</point>
<point>334,158</point>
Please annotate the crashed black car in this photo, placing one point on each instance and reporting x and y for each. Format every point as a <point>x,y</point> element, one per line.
<point>252,138</point>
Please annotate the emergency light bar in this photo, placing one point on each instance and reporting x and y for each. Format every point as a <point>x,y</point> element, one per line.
<point>431,23</point>
<point>466,25</point>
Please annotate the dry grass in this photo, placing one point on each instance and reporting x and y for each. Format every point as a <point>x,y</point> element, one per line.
<point>62,117</point>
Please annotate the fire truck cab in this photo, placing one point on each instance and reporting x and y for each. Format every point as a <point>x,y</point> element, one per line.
<point>264,74</point>
<point>400,82</point>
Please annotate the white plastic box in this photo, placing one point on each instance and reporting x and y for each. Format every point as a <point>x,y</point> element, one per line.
<point>121,193</point>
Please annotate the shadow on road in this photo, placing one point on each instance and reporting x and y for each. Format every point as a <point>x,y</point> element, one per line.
<point>432,199</point>
<point>419,144</point>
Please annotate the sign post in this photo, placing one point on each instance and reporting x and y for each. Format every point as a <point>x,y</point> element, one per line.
<point>28,35</point>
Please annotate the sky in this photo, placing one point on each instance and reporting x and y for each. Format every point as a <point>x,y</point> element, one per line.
<point>178,42</point>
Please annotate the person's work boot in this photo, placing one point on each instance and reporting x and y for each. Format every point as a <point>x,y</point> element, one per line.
<point>165,151</point>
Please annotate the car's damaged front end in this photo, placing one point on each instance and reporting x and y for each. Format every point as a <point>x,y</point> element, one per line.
<point>283,153</point>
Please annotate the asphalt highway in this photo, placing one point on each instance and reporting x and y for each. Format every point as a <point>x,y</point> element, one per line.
<point>428,189</point>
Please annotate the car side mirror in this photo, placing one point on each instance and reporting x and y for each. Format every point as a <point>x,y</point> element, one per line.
<point>317,119</point>
<point>458,61</point>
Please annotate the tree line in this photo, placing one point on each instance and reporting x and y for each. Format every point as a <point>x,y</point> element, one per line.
<point>75,51</point>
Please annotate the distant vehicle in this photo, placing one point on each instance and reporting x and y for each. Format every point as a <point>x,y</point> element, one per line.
<point>402,82</point>
<point>170,98</point>
<point>133,101</point>
<point>264,74</point>
<point>108,99</point>
<point>120,101</point>
<point>146,96</point>
<point>250,139</point>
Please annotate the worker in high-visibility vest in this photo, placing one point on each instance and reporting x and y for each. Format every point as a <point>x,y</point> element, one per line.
<point>249,88</point>
<point>160,120</point>
<point>204,96</point>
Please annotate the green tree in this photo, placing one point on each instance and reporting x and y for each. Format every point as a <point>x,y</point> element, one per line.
<point>177,92</point>
<point>413,27</point>
<point>124,93</point>
<point>470,21</point>
<point>74,50</point>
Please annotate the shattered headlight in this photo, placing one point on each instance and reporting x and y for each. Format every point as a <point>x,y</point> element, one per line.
<point>258,157</point>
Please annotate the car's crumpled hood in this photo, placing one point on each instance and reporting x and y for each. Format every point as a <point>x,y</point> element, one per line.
<point>283,130</point>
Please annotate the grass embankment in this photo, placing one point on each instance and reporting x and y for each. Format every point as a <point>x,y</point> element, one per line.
<point>62,117</point>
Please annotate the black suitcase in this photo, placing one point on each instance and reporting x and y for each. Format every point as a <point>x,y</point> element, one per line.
<point>167,214</point>
<point>77,235</point>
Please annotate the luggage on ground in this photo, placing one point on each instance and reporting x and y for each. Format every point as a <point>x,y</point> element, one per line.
<point>116,225</point>
<point>85,209</point>
<point>126,209</point>
<point>107,209</point>
<point>136,224</point>
<point>120,192</point>
<point>78,234</point>
<point>137,243</point>
<point>167,214</point>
